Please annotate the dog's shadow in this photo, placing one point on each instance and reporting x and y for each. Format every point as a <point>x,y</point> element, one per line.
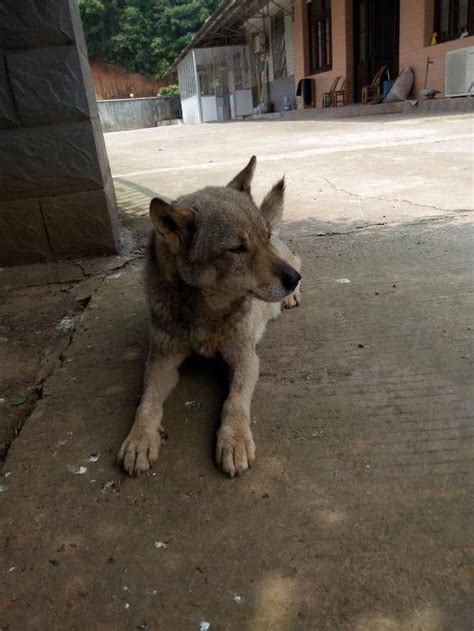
<point>193,412</point>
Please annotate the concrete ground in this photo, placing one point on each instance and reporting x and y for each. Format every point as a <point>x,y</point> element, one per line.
<point>358,513</point>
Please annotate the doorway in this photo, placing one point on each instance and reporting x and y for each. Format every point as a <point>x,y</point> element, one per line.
<point>376,40</point>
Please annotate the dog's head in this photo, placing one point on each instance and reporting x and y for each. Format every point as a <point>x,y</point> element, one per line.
<point>221,241</point>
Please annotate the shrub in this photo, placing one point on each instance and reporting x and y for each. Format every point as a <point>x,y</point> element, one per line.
<point>169,90</point>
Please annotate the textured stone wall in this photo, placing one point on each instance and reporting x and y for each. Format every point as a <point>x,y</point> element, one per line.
<point>56,192</point>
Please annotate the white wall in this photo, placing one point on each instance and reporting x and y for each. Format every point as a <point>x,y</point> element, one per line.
<point>189,90</point>
<point>191,110</point>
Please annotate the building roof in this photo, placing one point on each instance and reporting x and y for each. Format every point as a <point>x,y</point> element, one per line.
<point>225,26</point>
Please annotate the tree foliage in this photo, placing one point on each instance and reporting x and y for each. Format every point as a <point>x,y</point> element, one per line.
<point>142,36</point>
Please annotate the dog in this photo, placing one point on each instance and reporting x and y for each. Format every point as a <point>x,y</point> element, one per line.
<point>216,274</point>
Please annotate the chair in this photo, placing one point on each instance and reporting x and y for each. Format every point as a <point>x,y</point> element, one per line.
<point>340,95</point>
<point>371,93</point>
<point>328,96</point>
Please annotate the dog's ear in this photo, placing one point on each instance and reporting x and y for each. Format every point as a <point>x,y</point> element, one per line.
<point>272,205</point>
<point>175,224</point>
<point>243,180</point>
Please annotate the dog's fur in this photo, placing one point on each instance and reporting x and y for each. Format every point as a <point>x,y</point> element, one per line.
<point>215,276</point>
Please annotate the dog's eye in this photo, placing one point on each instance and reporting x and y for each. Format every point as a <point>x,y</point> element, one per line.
<point>238,249</point>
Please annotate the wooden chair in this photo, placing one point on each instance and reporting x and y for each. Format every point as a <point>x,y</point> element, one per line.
<point>340,95</point>
<point>371,93</point>
<point>328,96</point>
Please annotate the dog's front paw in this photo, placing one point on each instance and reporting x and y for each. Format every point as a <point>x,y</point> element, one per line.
<point>235,451</point>
<point>139,451</point>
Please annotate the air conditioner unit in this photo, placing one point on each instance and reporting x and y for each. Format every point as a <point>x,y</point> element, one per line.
<point>459,77</point>
<point>259,43</point>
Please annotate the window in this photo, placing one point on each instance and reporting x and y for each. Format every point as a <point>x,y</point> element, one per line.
<point>453,17</point>
<point>320,44</point>
<point>278,46</point>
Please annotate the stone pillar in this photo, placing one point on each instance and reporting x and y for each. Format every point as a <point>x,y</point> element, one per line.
<point>56,193</point>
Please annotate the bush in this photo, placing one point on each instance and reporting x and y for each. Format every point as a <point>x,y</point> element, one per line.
<point>169,90</point>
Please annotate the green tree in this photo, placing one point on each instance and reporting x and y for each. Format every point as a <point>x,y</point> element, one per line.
<point>180,21</point>
<point>100,19</point>
<point>142,35</point>
<point>132,47</point>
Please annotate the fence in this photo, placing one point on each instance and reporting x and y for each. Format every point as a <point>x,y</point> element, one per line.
<point>123,114</point>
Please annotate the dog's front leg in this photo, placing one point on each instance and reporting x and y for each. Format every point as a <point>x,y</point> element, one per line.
<point>140,449</point>
<point>235,451</point>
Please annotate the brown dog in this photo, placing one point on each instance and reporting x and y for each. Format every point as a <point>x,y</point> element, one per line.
<point>215,276</point>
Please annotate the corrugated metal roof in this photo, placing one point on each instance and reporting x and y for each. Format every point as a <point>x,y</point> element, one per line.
<point>225,26</point>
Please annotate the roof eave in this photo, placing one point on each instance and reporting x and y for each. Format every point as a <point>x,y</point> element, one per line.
<point>216,20</point>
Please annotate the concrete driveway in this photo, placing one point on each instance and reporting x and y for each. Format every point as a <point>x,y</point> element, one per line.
<point>358,513</point>
<point>341,175</point>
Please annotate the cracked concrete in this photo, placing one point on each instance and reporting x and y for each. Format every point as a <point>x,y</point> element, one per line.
<point>340,174</point>
<point>34,302</point>
<point>407,202</point>
<point>357,515</point>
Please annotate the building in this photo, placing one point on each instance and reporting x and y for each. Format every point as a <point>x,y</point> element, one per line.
<point>241,58</point>
<point>353,38</point>
<point>252,53</point>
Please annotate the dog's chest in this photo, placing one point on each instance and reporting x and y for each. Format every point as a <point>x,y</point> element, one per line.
<point>206,342</point>
<point>208,336</point>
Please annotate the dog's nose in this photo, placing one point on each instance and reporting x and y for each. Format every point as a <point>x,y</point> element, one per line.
<point>290,278</point>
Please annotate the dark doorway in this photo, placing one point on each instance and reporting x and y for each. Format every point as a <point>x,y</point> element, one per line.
<point>376,36</point>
